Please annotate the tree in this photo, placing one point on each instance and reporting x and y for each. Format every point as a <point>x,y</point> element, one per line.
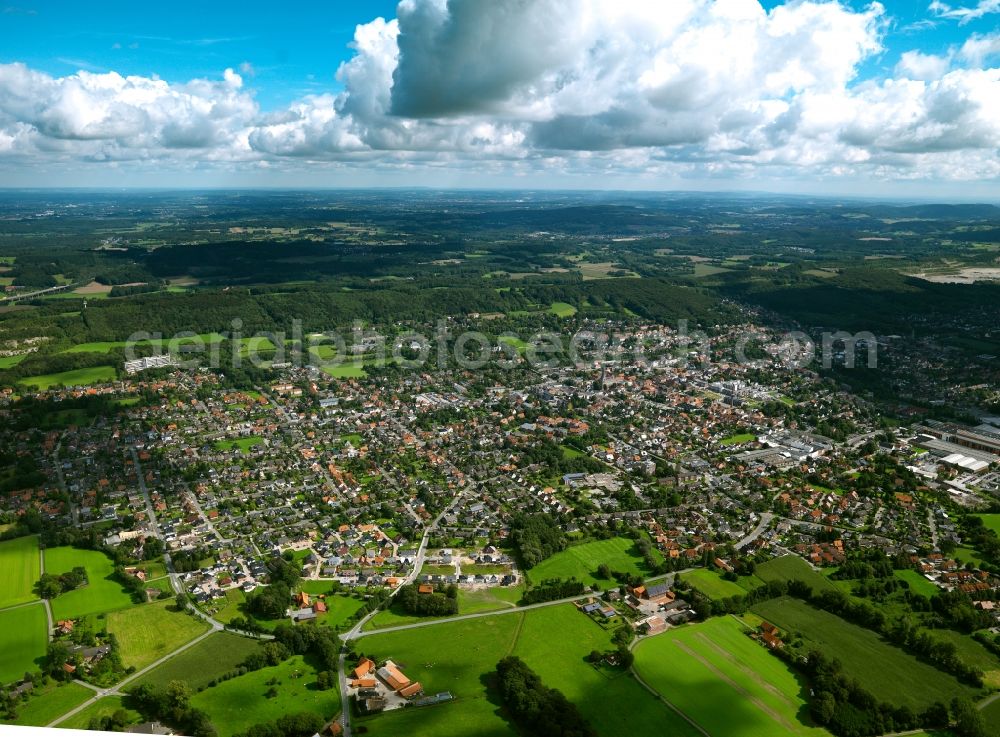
<point>181,601</point>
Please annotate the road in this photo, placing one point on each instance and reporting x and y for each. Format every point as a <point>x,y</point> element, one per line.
<point>765,520</point>
<point>45,602</point>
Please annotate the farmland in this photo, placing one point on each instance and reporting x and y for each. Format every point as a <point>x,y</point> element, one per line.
<point>239,703</point>
<point>23,638</point>
<point>700,667</point>
<point>887,672</point>
<point>148,632</point>
<point>49,702</point>
<point>78,377</point>
<point>199,664</point>
<point>714,586</point>
<point>101,594</point>
<point>19,570</point>
<point>581,561</point>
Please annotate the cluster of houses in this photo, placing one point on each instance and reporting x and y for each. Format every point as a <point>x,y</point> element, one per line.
<point>378,688</point>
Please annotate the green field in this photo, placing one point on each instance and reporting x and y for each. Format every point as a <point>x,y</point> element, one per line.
<point>241,444</point>
<point>237,704</point>
<point>19,570</point>
<point>702,667</point>
<point>23,639</point>
<point>793,568</point>
<point>714,586</point>
<point>49,702</point>
<point>78,377</point>
<point>101,594</point>
<point>99,709</point>
<point>345,370</point>
<point>201,663</point>
<point>918,584</point>
<point>889,673</point>
<point>7,362</point>
<point>991,715</point>
<point>148,632</point>
<point>581,561</point>
<point>992,521</point>
<point>562,309</point>
<point>738,439</point>
<point>107,346</point>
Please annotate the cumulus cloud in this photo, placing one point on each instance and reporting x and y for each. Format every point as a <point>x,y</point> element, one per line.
<point>965,13</point>
<point>693,87</point>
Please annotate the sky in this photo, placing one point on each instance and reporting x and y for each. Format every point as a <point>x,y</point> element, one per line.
<point>898,98</point>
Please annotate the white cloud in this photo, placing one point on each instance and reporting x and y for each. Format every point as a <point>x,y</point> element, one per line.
<point>639,87</point>
<point>964,14</point>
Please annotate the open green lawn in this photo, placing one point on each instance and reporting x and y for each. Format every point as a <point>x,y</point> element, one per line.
<point>887,672</point>
<point>991,715</point>
<point>19,570</point>
<point>345,370</point>
<point>148,632</point>
<point>241,444</point>
<point>23,639</point>
<point>78,377</point>
<point>201,663</point>
<point>237,704</point>
<point>738,439</point>
<point>488,600</point>
<point>99,709</point>
<point>793,568</point>
<point>7,362</point>
<point>581,561</point>
<point>714,586</point>
<point>992,521</point>
<point>49,702</point>
<point>562,309</point>
<point>700,668</point>
<point>106,346</point>
<point>973,653</point>
<point>101,594</point>
<point>918,584</point>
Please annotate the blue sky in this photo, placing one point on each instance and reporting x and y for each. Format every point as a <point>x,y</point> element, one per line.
<point>821,94</point>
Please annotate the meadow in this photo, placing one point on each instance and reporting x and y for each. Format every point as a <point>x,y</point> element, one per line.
<point>992,521</point>
<point>714,586</point>
<point>148,632</point>
<point>49,702</point>
<point>102,708</point>
<point>581,561</point>
<point>108,346</point>
<point>19,570</point>
<point>101,594</point>
<point>242,444</point>
<point>793,568</point>
<point>23,639</point>
<point>239,703</point>
<point>918,584</point>
<point>725,682</point>
<point>737,439</point>
<point>887,672</point>
<point>78,377</point>
<point>7,362</point>
<point>215,655</point>
<point>562,309</point>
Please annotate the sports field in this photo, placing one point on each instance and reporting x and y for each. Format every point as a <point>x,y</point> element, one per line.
<point>77,377</point>
<point>237,704</point>
<point>101,594</point>
<point>199,664</point>
<point>48,702</point>
<point>887,672</point>
<point>727,683</point>
<point>19,570</point>
<point>149,631</point>
<point>23,639</point>
<point>714,586</point>
<point>581,561</point>
<point>793,568</point>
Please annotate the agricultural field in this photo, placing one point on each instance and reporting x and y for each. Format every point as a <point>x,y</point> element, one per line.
<point>699,667</point>
<point>99,709</point>
<point>488,600</point>
<point>101,594</point>
<point>886,671</point>
<point>148,632</point>
<point>49,702</point>
<point>581,561</point>
<point>793,568</point>
<point>239,703</point>
<point>78,377</point>
<point>19,570</point>
<point>23,639</point>
<point>215,655</point>
<point>714,586</point>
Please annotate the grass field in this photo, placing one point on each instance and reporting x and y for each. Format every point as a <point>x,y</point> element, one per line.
<point>714,586</point>
<point>49,702</point>
<point>714,664</point>
<point>237,704</point>
<point>23,639</point>
<point>103,708</point>
<point>918,584</point>
<point>887,672</point>
<point>108,346</point>
<point>345,371</point>
<point>101,594</point>
<point>199,664</point>
<point>581,561</point>
<point>79,377</point>
<point>992,521</point>
<point>7,362</point>
<point>973,653</point>
<point>19,570</point>
<point>991,715</point>
<point>738,439</point>
<point>241,444</point>
<point>793,568</point>
<point>148,632</point>
<point>562,309</point>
